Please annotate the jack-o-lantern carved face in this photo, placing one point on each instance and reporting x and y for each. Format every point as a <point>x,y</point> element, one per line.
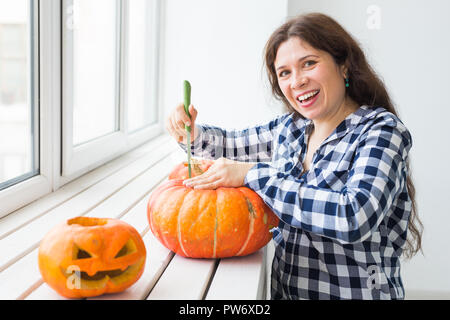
<point>86,257</point>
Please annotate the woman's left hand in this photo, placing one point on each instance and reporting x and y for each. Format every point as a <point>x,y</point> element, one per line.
<point>223,173</point>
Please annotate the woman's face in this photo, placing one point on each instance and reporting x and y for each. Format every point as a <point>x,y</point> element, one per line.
<point>310,79</point>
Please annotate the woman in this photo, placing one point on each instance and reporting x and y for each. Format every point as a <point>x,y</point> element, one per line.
<point>334,168</point>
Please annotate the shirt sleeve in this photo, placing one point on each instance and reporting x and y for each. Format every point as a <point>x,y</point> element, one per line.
<point>350,215</point>
<point>252,144</point>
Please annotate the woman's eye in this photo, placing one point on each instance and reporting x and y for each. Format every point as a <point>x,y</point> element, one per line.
<point>283,73</point>
<point>309,63</point>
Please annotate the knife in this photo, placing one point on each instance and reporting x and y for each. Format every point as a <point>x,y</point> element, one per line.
<point>187,103</point>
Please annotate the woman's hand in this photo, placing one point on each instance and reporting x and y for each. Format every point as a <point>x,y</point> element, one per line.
<point>178,119</point>
<point>223,173</point>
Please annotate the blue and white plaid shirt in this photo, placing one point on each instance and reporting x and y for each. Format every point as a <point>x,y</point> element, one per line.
<point>344,222</point>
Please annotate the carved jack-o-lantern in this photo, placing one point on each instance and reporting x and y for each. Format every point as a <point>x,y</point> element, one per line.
<point>86,257</point>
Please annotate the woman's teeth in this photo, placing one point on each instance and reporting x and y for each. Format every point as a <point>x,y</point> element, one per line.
<point>307,96</point>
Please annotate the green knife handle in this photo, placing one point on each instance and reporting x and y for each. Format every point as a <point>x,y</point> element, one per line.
<point>187,101</point>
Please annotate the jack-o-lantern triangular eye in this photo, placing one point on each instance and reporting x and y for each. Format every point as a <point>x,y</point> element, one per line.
<point>79,253</point>
<point>127,249</point>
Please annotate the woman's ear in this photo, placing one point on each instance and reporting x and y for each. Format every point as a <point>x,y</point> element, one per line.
<point>344,70</point>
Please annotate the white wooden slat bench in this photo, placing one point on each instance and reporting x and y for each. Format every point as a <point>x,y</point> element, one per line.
<point>120,189</point>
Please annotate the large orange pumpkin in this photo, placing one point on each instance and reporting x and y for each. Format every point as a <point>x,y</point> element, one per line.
<point>86,257</point>
<point>219,223</point>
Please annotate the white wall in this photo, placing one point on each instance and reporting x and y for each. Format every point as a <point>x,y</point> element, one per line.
<point>13,11</point>
<point>411,52</point>
<point>218,47</point>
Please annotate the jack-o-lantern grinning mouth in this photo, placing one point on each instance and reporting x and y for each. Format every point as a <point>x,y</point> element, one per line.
<point>101,274</point>
<point>100,278</point>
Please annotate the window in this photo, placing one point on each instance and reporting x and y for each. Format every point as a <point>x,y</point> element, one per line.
<point>95,68</point>
<point>110,74</point>
<point>24,174</point>
<point>78,87</point>
<point>142,32</point>
<point>18,107</point>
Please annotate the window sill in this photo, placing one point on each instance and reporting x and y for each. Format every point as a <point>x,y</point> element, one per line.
<point>120,189</point>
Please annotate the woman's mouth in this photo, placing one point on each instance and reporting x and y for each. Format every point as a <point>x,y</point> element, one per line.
<point>307,99</point>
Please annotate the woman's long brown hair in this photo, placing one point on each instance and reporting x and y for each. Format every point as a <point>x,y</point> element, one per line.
<point>366,88</point>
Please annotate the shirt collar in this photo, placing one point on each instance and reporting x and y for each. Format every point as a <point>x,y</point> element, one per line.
<point>361,115</point>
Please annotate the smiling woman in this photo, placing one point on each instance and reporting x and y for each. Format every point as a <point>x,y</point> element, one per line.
<point>335,168</point>
<point>307,77</point>
<point>312,82</point>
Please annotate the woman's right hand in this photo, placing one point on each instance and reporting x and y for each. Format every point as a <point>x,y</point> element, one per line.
<point>175,123</point>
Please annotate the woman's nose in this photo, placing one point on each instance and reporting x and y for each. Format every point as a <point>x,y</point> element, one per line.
<point>298,81</point>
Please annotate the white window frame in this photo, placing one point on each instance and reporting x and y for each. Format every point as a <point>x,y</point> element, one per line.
<point>78,160</point>
<point>28,190</point>
<point>49,101</point>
